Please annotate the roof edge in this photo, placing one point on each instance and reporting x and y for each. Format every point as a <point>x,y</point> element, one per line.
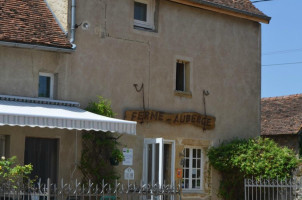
<point>32,46</point>
<point>226,10</point>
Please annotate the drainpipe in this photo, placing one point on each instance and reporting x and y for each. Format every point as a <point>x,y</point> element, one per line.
<point>72,28</point>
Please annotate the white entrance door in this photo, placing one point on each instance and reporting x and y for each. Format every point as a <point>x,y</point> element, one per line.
<point>159,159</point>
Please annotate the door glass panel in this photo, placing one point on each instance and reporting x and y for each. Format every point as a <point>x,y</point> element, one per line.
<point>149,165</point>
<point>156,172</point>
<point>167,163</point>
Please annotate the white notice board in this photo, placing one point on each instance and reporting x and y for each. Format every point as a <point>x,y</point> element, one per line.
<point>128,156</point>
<point>129,174</point>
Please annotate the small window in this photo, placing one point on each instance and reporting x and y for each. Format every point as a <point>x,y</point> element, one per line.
<point>182,76</point>
<point>46,83</point>
<point>193,169</point>
<point>144,13</point>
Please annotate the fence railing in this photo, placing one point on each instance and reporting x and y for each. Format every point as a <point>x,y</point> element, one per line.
<point>272,189</point>
<point>77,191</point>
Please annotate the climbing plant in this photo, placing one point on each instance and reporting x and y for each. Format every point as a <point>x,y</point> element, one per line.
<point>258,158</point>
<point>100,150</point>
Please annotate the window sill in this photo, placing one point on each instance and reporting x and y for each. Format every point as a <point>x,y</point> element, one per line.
<point>192,191</point>
<point>183,94</point>
<point>141,28</point>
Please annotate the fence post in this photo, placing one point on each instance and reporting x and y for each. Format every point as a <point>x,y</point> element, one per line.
<point>48,189</point>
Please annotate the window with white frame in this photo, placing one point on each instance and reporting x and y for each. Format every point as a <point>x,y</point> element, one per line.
<point>144,13</point>
<point>193,169</point>
<point>182,76</point>
<point>46,85</point>
<point>2,145</point>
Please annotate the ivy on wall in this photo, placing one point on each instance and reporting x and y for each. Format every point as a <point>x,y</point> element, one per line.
<point>100,149</point>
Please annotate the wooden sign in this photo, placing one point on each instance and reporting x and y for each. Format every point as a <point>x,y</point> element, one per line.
<point>196,119</point>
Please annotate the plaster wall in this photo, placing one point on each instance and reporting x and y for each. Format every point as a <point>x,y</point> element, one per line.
<point>20,71</point>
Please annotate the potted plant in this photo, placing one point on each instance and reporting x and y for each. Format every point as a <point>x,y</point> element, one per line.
<point>117,156</point>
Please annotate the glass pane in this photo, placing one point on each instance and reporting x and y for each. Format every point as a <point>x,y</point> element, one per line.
<point>198,163</point>
<point>194,153</point>
<point>187,173</point>
<point>187,153</point>
<point>156,173</point>
<point>44,86</point>
<point>194,172</point>
<point>186,183</point>
<point>149,164</point>
<point>198,183</point>
<point>198,173</point>
<point>180,76</point>
<point>194,163</point>
<point>187,163</point>
<point>140,11</point>
<point>193,183</point>
<point>199,153</point>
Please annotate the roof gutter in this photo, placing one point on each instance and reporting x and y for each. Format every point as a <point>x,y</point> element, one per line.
<point>39,47</point>
<point>224,9</point>
<point>73,24</point>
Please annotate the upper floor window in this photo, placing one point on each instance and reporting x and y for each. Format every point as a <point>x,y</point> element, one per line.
<point>182,76</point>
<point>144,13</point>
<point>193,169</point>
<point>46,85</point>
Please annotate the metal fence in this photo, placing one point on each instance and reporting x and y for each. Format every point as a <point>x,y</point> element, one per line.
<point>78,191</point>
<point>264,189</point>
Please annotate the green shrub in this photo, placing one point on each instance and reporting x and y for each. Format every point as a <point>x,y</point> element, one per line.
<point>101,107</point>
<point>258,158</point>
<point>12,173</point>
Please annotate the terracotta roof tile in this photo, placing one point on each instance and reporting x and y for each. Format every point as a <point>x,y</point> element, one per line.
<point>30,22</point>
<point>237,5</point>
<point>281,115</point>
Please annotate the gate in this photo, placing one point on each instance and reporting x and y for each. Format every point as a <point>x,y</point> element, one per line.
<point>78,191</point>
<point>272,189</point>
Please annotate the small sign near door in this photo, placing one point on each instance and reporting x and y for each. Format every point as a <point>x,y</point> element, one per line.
<point>128,156</point>
<point>179,173</point>
<point>129,174</point>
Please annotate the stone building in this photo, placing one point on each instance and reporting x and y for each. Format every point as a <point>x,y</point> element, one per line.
<point>189,71</point>
<point>281,120</point>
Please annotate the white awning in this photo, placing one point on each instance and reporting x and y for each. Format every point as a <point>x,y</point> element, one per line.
<point>35,112</point>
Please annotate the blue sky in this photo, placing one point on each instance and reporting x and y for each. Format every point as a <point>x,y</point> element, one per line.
<point>281,43</point>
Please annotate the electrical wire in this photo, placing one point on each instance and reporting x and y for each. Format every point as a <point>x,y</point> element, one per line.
<point>282,51</point>
<point>278,64</point>
<point>259,1</point>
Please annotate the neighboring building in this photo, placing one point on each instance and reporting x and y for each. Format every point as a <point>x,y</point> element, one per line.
<point>34,61</point>
<point>281,120</point>
<point>177,50</point>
